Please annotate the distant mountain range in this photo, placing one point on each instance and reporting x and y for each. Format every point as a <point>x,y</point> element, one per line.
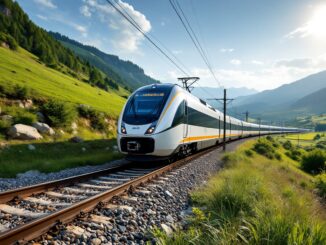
<point>303,97</point>
<point>124,72</point>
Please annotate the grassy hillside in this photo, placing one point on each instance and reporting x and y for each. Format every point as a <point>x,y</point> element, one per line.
<point>122,71</point>
<point>23,68</point>
<point>256,200</point>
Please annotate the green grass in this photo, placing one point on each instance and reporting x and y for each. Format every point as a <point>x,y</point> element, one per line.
<point>52,157</point>
<point>254,200</point>
<point>22,68</point>
<point>304,139</point>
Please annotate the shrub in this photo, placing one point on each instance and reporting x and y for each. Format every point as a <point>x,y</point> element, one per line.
<point>321,184</point>
<point>58,113</point>
<point>20,92</point>
<point>287,145</point>
<point>265,148</point>
<point>249,153</point>
<point>295,154</point>
<point>317,137</point>
<point>314,161</point>
<point>4,125</point>
<point>96,118</point>
<point>20,115</point>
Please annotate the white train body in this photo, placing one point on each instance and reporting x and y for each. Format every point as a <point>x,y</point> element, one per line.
<point>161,120</point>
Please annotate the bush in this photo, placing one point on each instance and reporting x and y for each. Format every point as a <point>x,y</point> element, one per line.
<point>287,145</point>
<point>295,154</point>
<point>314,161</point>
<point>317,137</point>
<point>20,93</point>
<point>265,148</point>
<point>20,115</point>
<point>58,113</point>
<point>321,184</point>
<point>249,153</point>
<point>96,118</point>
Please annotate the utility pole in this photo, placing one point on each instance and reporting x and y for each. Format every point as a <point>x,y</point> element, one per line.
<point>247,115</point>
<point>187,82</point>
<point>225,100</point>
<point>259,121</point>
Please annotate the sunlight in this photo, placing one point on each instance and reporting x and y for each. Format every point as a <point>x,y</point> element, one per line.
<point>316,26</point>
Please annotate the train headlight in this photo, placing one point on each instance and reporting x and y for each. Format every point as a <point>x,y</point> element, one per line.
<point>123,130</point>
<point>151,128</point>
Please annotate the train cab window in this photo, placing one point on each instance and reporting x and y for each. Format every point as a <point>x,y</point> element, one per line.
<point>180,114</point>
<point>146,105</point>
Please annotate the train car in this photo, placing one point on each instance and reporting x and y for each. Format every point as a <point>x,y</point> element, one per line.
<point>164,120</point>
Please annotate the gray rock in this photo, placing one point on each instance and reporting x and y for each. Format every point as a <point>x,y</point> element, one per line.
<point>168,193</point>
<point>24,132</point>
<point>168,231</point>
<point>43,128</point>
<point>169,219</point>
<point>31,147</point>
<point>40,116</point>
<point>76,139</point>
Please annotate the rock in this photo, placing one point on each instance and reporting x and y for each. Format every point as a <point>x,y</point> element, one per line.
<point>40,116</point>
<point>31,147</point>
<point>29,174</point>
<point>168,231</point>
<point>96,241</point>
<point>6,117</point>
<point>74,126</point>
<point>168,193</point>
<point>28,103</point>
<point>76,139</point>
<point>169,219</point>
<point>24,132</point>
<point>122,228</point>
<point>43,128</point>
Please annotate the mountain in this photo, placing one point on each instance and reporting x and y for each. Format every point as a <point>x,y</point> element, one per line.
<point>314,102</point>
<point>279,101</point>
<point>124,72</point>
<point>16,29</point>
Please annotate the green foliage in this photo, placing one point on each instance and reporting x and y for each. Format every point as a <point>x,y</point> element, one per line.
<point>314,162</point>
<point>265,147</point>
<point>20,92</point>
<point>58,113</point>
<point>295,154</point>
<point>287,145</point>
<point>20,115</point>
<point>321,184</point>
<point>96,118</point>
<point>4,125</point>
<point>249,153</point>
<point>9,40</point>
<point>317,137</point>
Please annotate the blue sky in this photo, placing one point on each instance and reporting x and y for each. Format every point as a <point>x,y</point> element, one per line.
<point>252,43</point>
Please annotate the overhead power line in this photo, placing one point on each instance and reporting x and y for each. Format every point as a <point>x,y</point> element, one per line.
<point>134,24</point>
<point>186,24</point>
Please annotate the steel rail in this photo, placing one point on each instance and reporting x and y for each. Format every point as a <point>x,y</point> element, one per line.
<point>35,228</point>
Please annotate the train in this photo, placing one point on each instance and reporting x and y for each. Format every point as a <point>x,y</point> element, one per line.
<point>163,121</point>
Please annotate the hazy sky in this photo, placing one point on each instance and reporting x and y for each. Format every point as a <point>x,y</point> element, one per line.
<point>252,43</point>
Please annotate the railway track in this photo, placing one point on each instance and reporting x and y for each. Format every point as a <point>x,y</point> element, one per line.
<point>61,201</point>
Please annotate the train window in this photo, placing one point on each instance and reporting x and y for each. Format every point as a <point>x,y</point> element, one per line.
<point>146,105</point>
<point>179,116</point>
<point>200,119</point>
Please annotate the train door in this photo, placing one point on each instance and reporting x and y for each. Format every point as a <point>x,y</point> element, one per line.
<point>185,125</point>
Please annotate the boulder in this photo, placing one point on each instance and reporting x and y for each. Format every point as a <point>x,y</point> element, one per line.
<point>74,126</point>
<point>43,128</point>
<point>76,139</point>
<point>28,103</point>
<point>23,132</point>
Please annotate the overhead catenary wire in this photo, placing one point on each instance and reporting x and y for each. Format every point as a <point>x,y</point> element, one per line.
<point>186,24</point>
<point>134,24</point>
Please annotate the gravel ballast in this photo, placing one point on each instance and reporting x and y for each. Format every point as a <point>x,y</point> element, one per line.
<point>33,177</point>
<point>162,203</point>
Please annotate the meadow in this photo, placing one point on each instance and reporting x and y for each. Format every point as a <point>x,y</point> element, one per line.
<point>24,69</point>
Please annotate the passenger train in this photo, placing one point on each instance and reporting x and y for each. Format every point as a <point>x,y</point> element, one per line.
<point>164,120</point>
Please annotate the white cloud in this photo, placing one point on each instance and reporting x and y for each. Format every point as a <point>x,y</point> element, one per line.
<point>41,17</point>
<point>277,73</point>
<point>257,62</point>
<point>226,50</point>
<point>127,38</point>
<point>84,10</point>
<point>46,3</point>
<point>80,28</point>
<point>235,62</point>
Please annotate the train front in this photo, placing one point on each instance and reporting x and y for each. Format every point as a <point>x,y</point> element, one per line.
<point>137,125</point>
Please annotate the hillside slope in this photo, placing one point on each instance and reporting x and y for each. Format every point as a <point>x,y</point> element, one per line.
<point>314,102</point>
<point>23,68</point>
<point>124,72</point>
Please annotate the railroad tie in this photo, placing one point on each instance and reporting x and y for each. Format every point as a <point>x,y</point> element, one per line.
<point>45,202</point>
<point>20,212</point>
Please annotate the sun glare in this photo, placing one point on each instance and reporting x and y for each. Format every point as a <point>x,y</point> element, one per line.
<point>317,25</point>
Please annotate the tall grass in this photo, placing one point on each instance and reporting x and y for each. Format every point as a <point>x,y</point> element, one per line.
<point>254,200</point>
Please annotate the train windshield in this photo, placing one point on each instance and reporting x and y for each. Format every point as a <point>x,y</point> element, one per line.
<point>146,106</point>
